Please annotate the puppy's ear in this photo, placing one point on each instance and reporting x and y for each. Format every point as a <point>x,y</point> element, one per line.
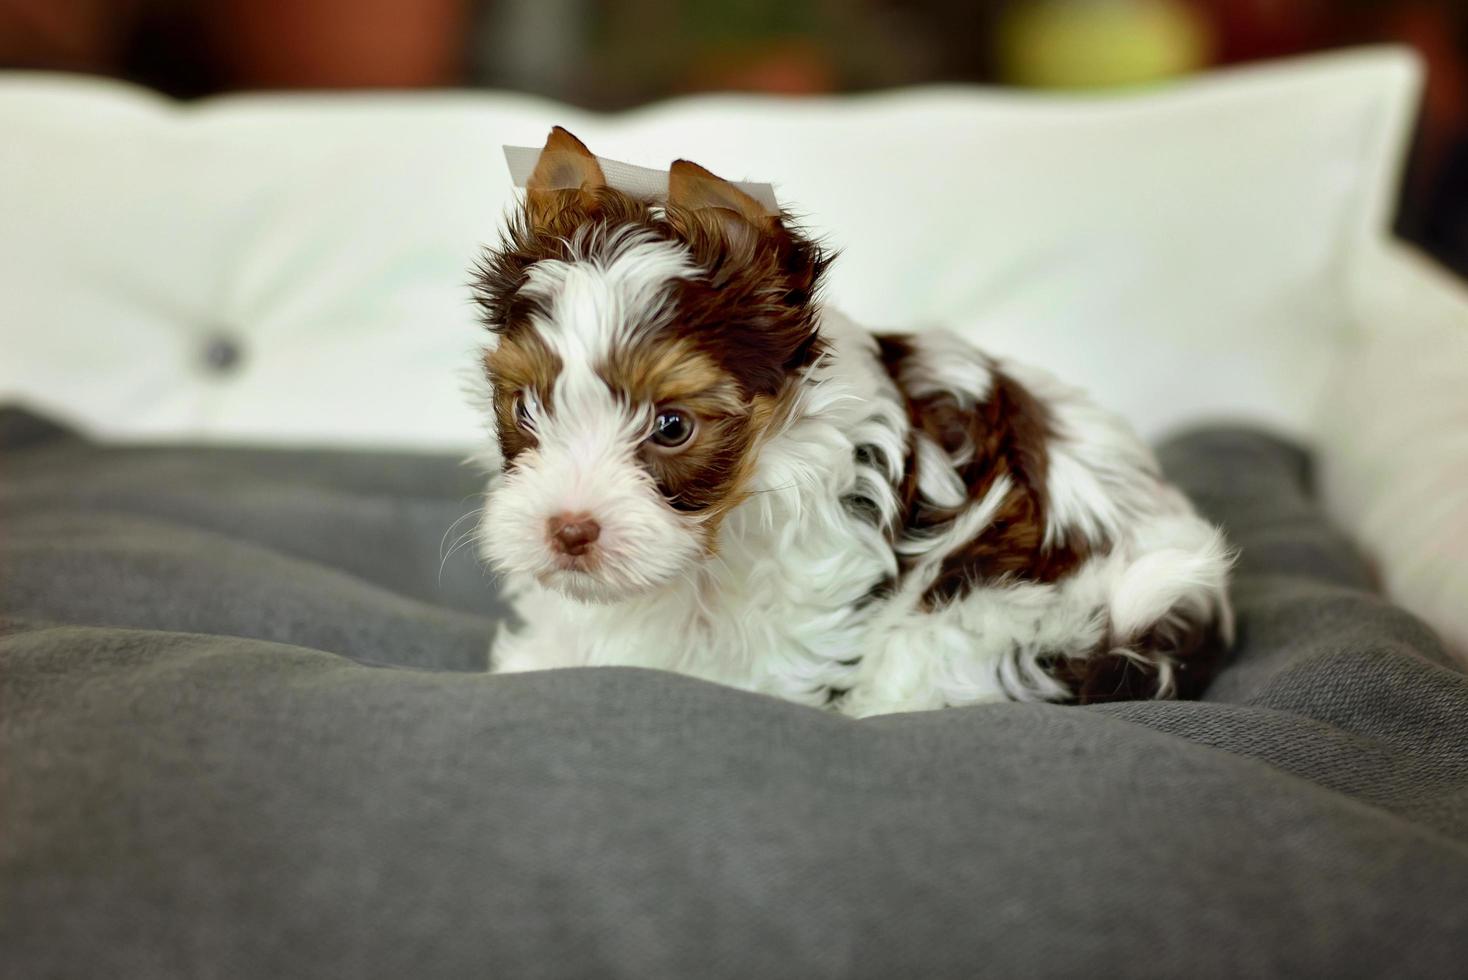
<point>565,170</point>
<point>703,204</point>
<point>691,186</point>
<point>700,193</point>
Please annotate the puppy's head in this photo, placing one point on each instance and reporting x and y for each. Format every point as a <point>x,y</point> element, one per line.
<point>640,355</point>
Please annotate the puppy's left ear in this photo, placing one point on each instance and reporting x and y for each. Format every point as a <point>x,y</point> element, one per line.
<point>691,186</point>
<point>702,200</point>
<point>706,196</point>
<point>565,170</point>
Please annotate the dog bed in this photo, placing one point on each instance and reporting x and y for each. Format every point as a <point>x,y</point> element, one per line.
<point>245,731</point>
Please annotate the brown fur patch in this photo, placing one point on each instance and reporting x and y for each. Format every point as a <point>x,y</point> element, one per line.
<point>667,371</point>
<point>1196,650</point>
<point>668,368</point>
<point>520,362</point>
<point>711,477</point>
<point>1004,435</point>
<point>752,312</point>
<point>545,233</point>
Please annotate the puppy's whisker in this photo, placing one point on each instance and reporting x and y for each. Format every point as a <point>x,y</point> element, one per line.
<point>459,543</point>
<point>450,529</point>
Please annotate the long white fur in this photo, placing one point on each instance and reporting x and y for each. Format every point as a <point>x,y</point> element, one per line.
<point>784,606</point>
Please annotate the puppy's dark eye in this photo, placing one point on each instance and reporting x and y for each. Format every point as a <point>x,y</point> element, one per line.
<point>522,412</point>
<point>672,428</point>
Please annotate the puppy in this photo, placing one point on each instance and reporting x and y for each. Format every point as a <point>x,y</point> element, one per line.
<point>701,467</point>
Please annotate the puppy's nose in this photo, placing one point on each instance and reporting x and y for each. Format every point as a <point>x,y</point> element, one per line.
<point>574,534</point>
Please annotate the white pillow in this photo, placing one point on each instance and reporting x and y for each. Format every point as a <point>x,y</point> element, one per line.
<point>1179,252</point>
<point>1394,437</point>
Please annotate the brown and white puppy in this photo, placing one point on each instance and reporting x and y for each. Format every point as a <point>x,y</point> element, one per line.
<point>702,468</point>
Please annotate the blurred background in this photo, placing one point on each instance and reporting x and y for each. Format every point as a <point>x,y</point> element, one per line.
<point>616,54</point>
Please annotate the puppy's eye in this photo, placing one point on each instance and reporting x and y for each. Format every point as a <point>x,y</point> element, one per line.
<point>672,428</point>
<point>522,412</point>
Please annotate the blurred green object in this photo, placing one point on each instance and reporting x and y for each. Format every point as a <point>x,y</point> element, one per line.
<point>1100,43</point>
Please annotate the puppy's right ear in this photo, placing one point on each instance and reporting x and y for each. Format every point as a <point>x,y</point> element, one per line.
<point>565,170</point>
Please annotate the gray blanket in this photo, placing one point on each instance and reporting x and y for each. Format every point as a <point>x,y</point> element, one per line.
<point>244,732</point>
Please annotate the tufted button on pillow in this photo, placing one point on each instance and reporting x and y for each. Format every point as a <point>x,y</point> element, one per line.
<point>222,354</point>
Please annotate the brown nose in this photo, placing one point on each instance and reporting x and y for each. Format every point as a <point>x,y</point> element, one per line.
<point>574,534</point>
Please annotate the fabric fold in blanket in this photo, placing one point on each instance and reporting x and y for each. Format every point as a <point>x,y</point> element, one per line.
<point>245,731</point>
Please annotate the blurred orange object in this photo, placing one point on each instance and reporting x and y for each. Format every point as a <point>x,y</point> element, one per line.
<point>340,43</point>
<point>786,66</point>
<point>1433,31</point>
<point>78,35</point>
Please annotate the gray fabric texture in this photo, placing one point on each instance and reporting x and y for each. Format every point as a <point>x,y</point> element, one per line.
<point>244,732</point>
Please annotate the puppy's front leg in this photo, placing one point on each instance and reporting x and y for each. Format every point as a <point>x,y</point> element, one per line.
<point>537,637</point>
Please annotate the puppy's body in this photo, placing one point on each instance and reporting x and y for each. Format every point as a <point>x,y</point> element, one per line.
<point>879,523</point>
